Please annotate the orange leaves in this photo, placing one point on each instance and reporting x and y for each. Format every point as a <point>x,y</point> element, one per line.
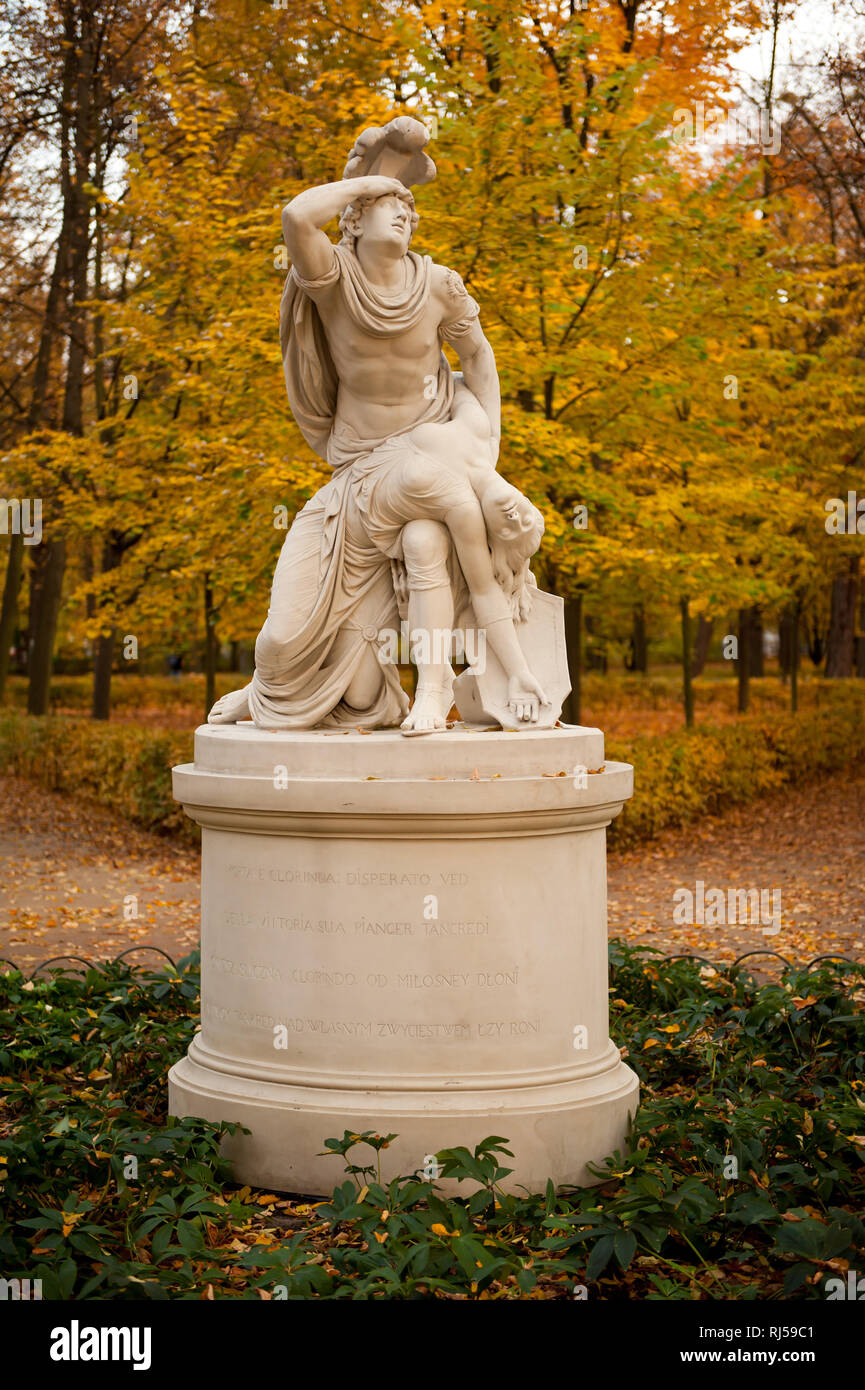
<point>439,1230</point>
<point>70,1221</point>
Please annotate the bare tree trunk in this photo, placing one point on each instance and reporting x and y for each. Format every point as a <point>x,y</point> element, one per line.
<point>785,640</point>
<point>639,641</point>
<point>41,378</point>
<point>76,217</point>
<point>687,683</point>
<point>743,664</point>
<point>210,648</point>
<point>9,611</point>
<point>701,646</point>
<point>103,662</point>
<point>794,657</point>
<point>103,656</point>
<point>756,636</point>
<point>47,582</point>
<point>571,712</point>
<point>816,642</point>
<point>842,624</point>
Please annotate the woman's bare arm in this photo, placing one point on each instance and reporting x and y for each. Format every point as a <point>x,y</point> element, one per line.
<point>480,376</point>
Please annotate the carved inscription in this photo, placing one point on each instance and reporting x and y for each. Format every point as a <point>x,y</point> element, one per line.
<point>446,980</point>
<point>495,1029</point>
<point>353,878</point>
<point>272,921</point>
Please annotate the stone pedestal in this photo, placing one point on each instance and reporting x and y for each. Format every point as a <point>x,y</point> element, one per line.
<point>409,935</point>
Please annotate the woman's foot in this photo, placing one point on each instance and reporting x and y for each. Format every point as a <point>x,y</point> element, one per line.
<point>229,708</point>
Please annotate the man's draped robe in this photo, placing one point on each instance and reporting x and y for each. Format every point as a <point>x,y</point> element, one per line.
<point>330,576</point>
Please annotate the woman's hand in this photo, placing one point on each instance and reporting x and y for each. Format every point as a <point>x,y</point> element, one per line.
<point>525,697</point>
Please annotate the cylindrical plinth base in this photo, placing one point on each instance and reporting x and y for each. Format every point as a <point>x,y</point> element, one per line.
<point>405,935</point>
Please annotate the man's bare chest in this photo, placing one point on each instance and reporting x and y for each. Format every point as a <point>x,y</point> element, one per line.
<point>350,343</point>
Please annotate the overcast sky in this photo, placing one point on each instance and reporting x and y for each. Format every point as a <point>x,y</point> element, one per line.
<point>815,26</point>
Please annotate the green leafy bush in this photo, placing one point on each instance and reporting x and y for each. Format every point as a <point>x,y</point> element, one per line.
<point>680,776</point>
<point>744,1175</point>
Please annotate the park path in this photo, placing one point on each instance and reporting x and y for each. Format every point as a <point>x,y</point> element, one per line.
<point>808,842</point>
<point>70,870</point>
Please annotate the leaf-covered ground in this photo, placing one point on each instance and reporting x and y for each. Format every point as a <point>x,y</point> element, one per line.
<point>807,842</point>
<point>744,1176</point>
<point>79,879</point>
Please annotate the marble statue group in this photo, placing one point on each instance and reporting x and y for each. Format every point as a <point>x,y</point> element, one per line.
<point>415,524</point>
<point>401,934</point>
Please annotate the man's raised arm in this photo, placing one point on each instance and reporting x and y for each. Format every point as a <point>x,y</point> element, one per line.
<point>310,249</point>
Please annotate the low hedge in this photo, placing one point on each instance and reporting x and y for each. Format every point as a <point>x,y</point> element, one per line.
<point>677,777</point>
<point>663,690</point>
<point>617,689</point>
<point>680,776</point>
<point>130,692</point>
<point>125,768</point>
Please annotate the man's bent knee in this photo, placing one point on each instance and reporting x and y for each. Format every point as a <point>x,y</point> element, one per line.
<point>425,541</point>
<point>364,687</point>
<point>425,546</point>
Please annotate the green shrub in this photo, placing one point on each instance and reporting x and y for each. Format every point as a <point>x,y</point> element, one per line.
<point>125,768</point>
<point>768,1076</point>
<point>680,776</point>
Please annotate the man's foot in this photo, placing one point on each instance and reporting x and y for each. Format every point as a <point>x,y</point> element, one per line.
<point>428,714</point>
<point>231,707</point>
<point>525,697</point>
